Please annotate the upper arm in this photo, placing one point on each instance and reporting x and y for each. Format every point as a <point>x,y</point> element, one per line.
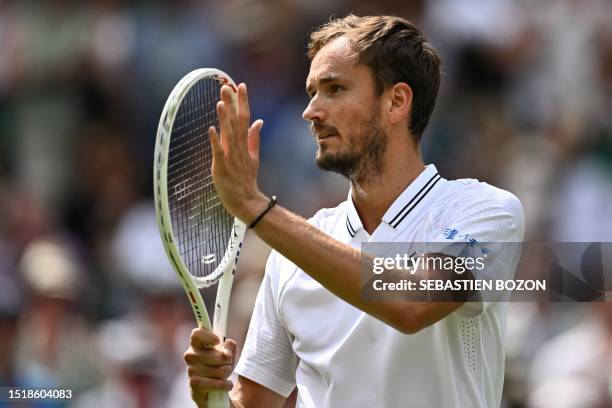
<point>249,394</point>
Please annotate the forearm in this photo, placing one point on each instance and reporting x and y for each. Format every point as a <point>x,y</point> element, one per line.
<point>335,265</point>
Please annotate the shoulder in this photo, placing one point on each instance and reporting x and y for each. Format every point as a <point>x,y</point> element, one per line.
<point>469,202</point>
<point>471,193</point>
<point>326,217</point>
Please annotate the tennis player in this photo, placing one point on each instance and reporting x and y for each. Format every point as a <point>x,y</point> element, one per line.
<point>373,83</point>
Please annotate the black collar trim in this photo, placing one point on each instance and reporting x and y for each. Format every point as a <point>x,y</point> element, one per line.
<point>396,221</point>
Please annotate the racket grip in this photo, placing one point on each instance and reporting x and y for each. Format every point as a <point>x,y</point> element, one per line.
<point>218,399</point>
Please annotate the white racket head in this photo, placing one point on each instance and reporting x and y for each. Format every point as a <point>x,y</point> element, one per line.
<point>201,238</point>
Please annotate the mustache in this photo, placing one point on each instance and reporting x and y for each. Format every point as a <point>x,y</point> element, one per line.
<point>317,128</point>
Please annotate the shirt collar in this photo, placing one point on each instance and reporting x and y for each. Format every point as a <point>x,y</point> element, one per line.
<point>403,205</point>
<point>353,222</point>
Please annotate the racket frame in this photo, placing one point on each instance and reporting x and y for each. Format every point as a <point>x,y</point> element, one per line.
<point>225,270</point>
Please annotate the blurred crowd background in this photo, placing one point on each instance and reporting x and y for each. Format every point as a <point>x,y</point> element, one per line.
<point>89,302</point>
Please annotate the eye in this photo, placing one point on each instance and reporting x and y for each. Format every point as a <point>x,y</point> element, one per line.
<point>335,88</point>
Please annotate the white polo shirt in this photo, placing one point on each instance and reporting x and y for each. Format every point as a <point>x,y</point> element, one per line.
<point>338,356</point>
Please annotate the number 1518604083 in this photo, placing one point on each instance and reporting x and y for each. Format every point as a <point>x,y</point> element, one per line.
<point>32,394</point>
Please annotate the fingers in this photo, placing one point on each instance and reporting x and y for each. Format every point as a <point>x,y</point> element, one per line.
<point>211,356</point>
<point>235,148</point>
<point>209,369</point>
<point>231,348</point>
<point>225,124</point>
<point>244,111</point>
<point>198,358</point>
<point>204,384</point>
<point>203,339</point>
<point>209,362</point>
<point>215,142</point>
<point>227,97</point>
<point>253,138</point>
<point>234,120</point>
<point>220,372</point>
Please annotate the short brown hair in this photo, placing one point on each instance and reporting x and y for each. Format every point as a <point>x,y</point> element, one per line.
<point>396,51</point>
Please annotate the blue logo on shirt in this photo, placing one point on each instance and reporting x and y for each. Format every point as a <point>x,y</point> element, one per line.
<point>450,233</point>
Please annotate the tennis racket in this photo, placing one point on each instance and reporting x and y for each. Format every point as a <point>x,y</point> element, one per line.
<point>202,240</point>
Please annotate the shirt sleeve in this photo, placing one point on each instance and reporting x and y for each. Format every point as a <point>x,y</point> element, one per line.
<point>487,223</point>
<point>267,357</point>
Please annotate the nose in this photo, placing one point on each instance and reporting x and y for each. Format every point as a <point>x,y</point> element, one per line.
<point>314,111</point>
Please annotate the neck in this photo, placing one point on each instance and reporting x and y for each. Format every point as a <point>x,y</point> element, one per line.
<point>373,196</point>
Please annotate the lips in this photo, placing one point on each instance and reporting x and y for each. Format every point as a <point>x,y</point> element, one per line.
<point>322,132</point>
<point>323,137</point>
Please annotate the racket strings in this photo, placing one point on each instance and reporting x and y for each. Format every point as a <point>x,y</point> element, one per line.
<point>191,131</point>
<point>200,223</point>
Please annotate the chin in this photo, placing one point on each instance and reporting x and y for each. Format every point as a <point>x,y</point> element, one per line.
<point>324,153</point>
<point>321,156</point>
<point>328,160</point>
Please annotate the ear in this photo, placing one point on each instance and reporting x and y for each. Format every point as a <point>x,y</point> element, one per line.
<point>400,102</point>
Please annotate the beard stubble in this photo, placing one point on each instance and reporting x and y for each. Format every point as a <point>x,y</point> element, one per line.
<point>361,159</point>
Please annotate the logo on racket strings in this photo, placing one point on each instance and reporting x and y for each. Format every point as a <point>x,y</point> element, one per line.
<point>209,259</point>
<point>182,190</point>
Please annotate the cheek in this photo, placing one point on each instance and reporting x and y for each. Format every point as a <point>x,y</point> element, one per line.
<point>366,120</point>
<point>352,117</point>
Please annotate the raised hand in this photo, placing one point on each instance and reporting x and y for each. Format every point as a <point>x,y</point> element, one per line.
<point>236,155</point>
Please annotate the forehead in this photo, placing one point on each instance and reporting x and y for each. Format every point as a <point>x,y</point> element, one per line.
<point>335,59</point>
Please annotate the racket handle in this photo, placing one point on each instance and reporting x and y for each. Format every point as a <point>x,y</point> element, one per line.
<point>218,399</point>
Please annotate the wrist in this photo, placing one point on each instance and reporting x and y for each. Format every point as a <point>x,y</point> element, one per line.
<point>262,214</point>
<point>254,207</point>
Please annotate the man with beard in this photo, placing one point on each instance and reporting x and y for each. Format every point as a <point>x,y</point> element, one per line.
<point>373,83</point>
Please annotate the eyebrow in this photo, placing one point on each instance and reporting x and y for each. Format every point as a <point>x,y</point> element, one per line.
<point>310,87</point>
